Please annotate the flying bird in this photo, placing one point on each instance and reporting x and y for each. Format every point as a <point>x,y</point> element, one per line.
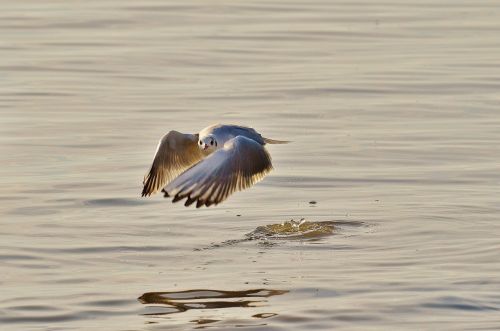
<point>208,166</point>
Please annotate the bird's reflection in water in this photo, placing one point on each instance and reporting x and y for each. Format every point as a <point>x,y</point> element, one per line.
<point>177,302</point>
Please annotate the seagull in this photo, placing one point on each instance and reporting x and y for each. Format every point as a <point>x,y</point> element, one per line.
<point>208,166</point>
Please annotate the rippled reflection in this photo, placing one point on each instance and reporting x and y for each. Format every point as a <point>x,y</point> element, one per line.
<point>177,302</point>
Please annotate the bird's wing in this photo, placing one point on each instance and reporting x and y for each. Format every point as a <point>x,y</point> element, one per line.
<point>175,153</point>
<point>238,165</point>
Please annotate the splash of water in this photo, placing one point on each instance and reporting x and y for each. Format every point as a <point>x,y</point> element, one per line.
<point>301,229</point>
<point>270,235</point>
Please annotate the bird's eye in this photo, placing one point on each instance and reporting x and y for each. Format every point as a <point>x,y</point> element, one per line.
<point>211,142</point>
<point>200,142</point>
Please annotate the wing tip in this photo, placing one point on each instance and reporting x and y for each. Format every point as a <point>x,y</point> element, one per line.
<point>189,201</point>
<point>145,192</point>
<point>177,198</point>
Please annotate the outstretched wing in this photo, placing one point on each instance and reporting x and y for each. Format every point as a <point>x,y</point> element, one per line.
<point>175,153</point>
<point>241,163</point>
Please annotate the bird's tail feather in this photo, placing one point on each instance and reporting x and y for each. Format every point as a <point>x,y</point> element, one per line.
<point>272,141</point>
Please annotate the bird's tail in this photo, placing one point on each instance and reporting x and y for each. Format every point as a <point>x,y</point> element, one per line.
<point>272,141</point>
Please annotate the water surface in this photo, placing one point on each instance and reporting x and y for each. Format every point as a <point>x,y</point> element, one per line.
<point>393,110</point>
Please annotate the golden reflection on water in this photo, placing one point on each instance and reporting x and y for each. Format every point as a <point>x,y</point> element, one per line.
<point>268,235</point>
<point>181,301</point>
<point>302,229</point>
<point>293,229</point>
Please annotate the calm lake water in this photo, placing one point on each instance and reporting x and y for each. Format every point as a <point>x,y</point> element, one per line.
<point>393,108</point>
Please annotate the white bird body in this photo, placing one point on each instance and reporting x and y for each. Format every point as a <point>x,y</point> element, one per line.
<point>209,166</point>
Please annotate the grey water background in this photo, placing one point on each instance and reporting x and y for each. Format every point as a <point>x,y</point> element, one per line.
<point>393,108</point>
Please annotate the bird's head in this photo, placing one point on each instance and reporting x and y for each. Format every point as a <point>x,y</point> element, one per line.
<point>207,144</point>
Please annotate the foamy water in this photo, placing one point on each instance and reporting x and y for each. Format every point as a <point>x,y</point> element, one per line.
<point>393,110</point>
